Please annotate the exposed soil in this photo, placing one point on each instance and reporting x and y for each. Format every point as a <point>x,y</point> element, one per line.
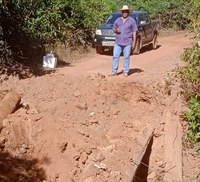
<point>77,124</point>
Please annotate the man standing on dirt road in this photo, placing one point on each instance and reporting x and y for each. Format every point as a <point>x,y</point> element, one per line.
<point>125,28</point>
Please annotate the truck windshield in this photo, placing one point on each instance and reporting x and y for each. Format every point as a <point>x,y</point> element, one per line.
<point>111,19</point>
<point>134,17</point>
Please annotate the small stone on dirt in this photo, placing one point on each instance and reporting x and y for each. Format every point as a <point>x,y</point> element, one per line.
<point>97,84</point>
<point>40,130</point>
<point>93,121</point>
<point>101,166</point>
<point>56,175</point>
<point>37,118</point>
<point>22,150</point>
<point>3,139</point>
<point>82,106</point>
<point>5,123</point>
<point>83,158</point>
<point>2,145</point>
<point>92,114</point>
<point>77,93</point>
<point>100,75</point>
<point>63,147</point>
<point>115,111</point>
<point>88,150</point>
<point>77,157</point>
<point>81,132</point>
<point>74,172</point>
<point>157,133</point>
<point>98,157</point>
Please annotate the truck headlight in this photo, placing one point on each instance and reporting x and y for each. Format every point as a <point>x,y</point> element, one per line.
<point>98,32</point>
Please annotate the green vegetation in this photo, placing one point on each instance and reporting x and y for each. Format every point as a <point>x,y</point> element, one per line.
<point>73,22</point>
<point>190,75</point>
<point>173,13</point>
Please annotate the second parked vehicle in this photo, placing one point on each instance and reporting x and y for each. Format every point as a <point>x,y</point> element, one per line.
<point>148,31</point>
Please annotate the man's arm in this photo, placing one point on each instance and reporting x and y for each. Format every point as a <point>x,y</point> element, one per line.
<point>134,30</point>
<point>134,40</point>
<point>116,27</point>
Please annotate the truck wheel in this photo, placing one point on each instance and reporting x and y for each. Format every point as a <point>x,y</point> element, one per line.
<point>137,47</point>
<point>99,50</point>
<point>155,42</point>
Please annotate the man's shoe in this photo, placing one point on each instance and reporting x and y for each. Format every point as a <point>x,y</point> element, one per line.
<point>125,74</point>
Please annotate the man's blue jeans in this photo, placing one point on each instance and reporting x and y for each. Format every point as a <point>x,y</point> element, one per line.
<point>116,55</point>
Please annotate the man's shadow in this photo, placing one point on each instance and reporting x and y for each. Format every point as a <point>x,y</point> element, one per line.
<point>132,71</point>
<point>135,70</point>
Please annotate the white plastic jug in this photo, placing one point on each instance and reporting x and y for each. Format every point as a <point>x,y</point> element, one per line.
<point>49,61</point>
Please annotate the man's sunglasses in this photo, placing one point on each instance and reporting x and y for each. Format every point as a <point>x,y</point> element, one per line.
<point>125,11</point>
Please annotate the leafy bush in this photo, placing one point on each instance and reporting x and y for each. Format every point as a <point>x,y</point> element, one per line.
<point>5,52</point>
<point>194,15</point>
<point>172,13</point>
<point>74,22</point>
<point>4,49</point>
<point>71,22</point>
<point>190,76</point>
<point>193,118</point>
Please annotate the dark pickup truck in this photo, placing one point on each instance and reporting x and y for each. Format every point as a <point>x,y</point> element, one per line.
<point>148,31</point>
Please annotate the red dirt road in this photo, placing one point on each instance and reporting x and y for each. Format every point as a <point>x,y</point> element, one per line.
<point>150,65</point>
<point>79,125</point>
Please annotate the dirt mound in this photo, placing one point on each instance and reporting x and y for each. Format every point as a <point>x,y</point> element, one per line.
<point>89,130</point>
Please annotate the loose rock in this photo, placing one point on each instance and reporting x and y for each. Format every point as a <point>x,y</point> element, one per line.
<point>82,106</point>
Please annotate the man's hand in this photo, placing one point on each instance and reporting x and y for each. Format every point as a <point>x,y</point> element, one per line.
<point>134,41</point>
<point>133,46</point>
<point>117,30</point>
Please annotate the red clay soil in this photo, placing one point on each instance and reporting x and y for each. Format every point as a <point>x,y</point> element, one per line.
<point>80,125</point>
